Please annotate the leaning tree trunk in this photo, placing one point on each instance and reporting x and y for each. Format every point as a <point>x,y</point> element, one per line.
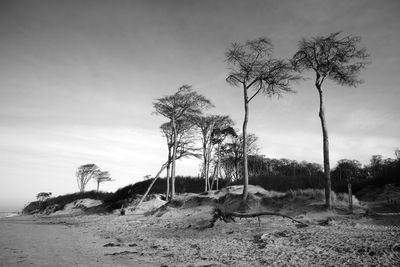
<point>151,185</point>
<point>213,177</point>
<point>245,166</point>
<point>327,172</point>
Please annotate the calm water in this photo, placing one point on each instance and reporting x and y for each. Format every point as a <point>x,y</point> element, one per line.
<point>8,214</point>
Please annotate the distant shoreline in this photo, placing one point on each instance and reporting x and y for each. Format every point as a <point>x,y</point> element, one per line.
<point>4,214</point>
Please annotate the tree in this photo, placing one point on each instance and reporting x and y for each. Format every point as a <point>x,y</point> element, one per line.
<point>85,173</point>
<point>185,147</point>
<point>338,59</point>
<point>397,153</point>
<point>349,170</point>
<point>232,153</point>
<point>180,106</point>
<point>253,67</point>
<point>43,196</point>
<point>207,124</point>
<point>376,165</point>
<point>101,177</point>
<point>218,136</point>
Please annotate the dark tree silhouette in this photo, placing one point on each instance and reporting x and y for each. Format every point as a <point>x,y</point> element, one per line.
<point>218,136</point>
<point>42,196</point>
<point>232,154</point>
<point>253,67</point>
<point>207,124</point>
<point>102,177</point>
<point>349,170</point>
<point>338,59</point>
<point>185,146</point>
<point>84,174</point>
<point>180,106</point>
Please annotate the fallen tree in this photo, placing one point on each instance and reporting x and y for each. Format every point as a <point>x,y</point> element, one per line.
<point>218,214</point>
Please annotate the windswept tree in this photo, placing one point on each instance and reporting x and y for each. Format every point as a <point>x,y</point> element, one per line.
<point>207,124</point>
<point>102,177</point>
<point>336,58</point>
<point>182,105</point>
<point>185,147</point>
<point>84,174</point>
<point>253,68</point>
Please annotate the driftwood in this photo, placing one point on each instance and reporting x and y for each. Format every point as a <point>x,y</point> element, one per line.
<point>229,216</point>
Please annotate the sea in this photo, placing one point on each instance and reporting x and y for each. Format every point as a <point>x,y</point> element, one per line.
<point>8,214</point>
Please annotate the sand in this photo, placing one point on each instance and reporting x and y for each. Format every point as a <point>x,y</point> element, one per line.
<point>177,238</point>
<point>176,235</point>
<point>32,241</point>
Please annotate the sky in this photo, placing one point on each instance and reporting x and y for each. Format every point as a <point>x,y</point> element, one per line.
<point>78,80</point>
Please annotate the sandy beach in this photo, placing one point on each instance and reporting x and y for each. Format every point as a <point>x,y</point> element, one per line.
<point>177,238</point>
<point>33,241</point>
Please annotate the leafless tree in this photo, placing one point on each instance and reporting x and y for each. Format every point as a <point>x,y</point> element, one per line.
<point>84,174</point>
<point>219,135</point>
<point>207,124</point>
<point>253,68</point>
<point>185,145</point>
<point>232,154</point>
<point>336,58</point>
<point>180,106</point>
<point>185,148</point>
<point>102,177</point>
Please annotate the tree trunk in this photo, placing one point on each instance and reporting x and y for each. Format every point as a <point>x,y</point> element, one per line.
<point>245,167</point>
<point>175,142</point>
<point>237,175</point>
<point>98,185</point>
<point>167,195</point>
<point>208,169</point>
<point>350,196</point>
<point>205,167</point>
<point>218,163</point>
<point>214,178</point>
<point>151,185</point>
<point>327,172</point>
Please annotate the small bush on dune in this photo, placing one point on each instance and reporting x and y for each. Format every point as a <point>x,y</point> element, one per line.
<point>340,199</point>
<point>313,194</point>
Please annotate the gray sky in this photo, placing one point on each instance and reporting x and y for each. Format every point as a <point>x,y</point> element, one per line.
<point>78,79</point>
